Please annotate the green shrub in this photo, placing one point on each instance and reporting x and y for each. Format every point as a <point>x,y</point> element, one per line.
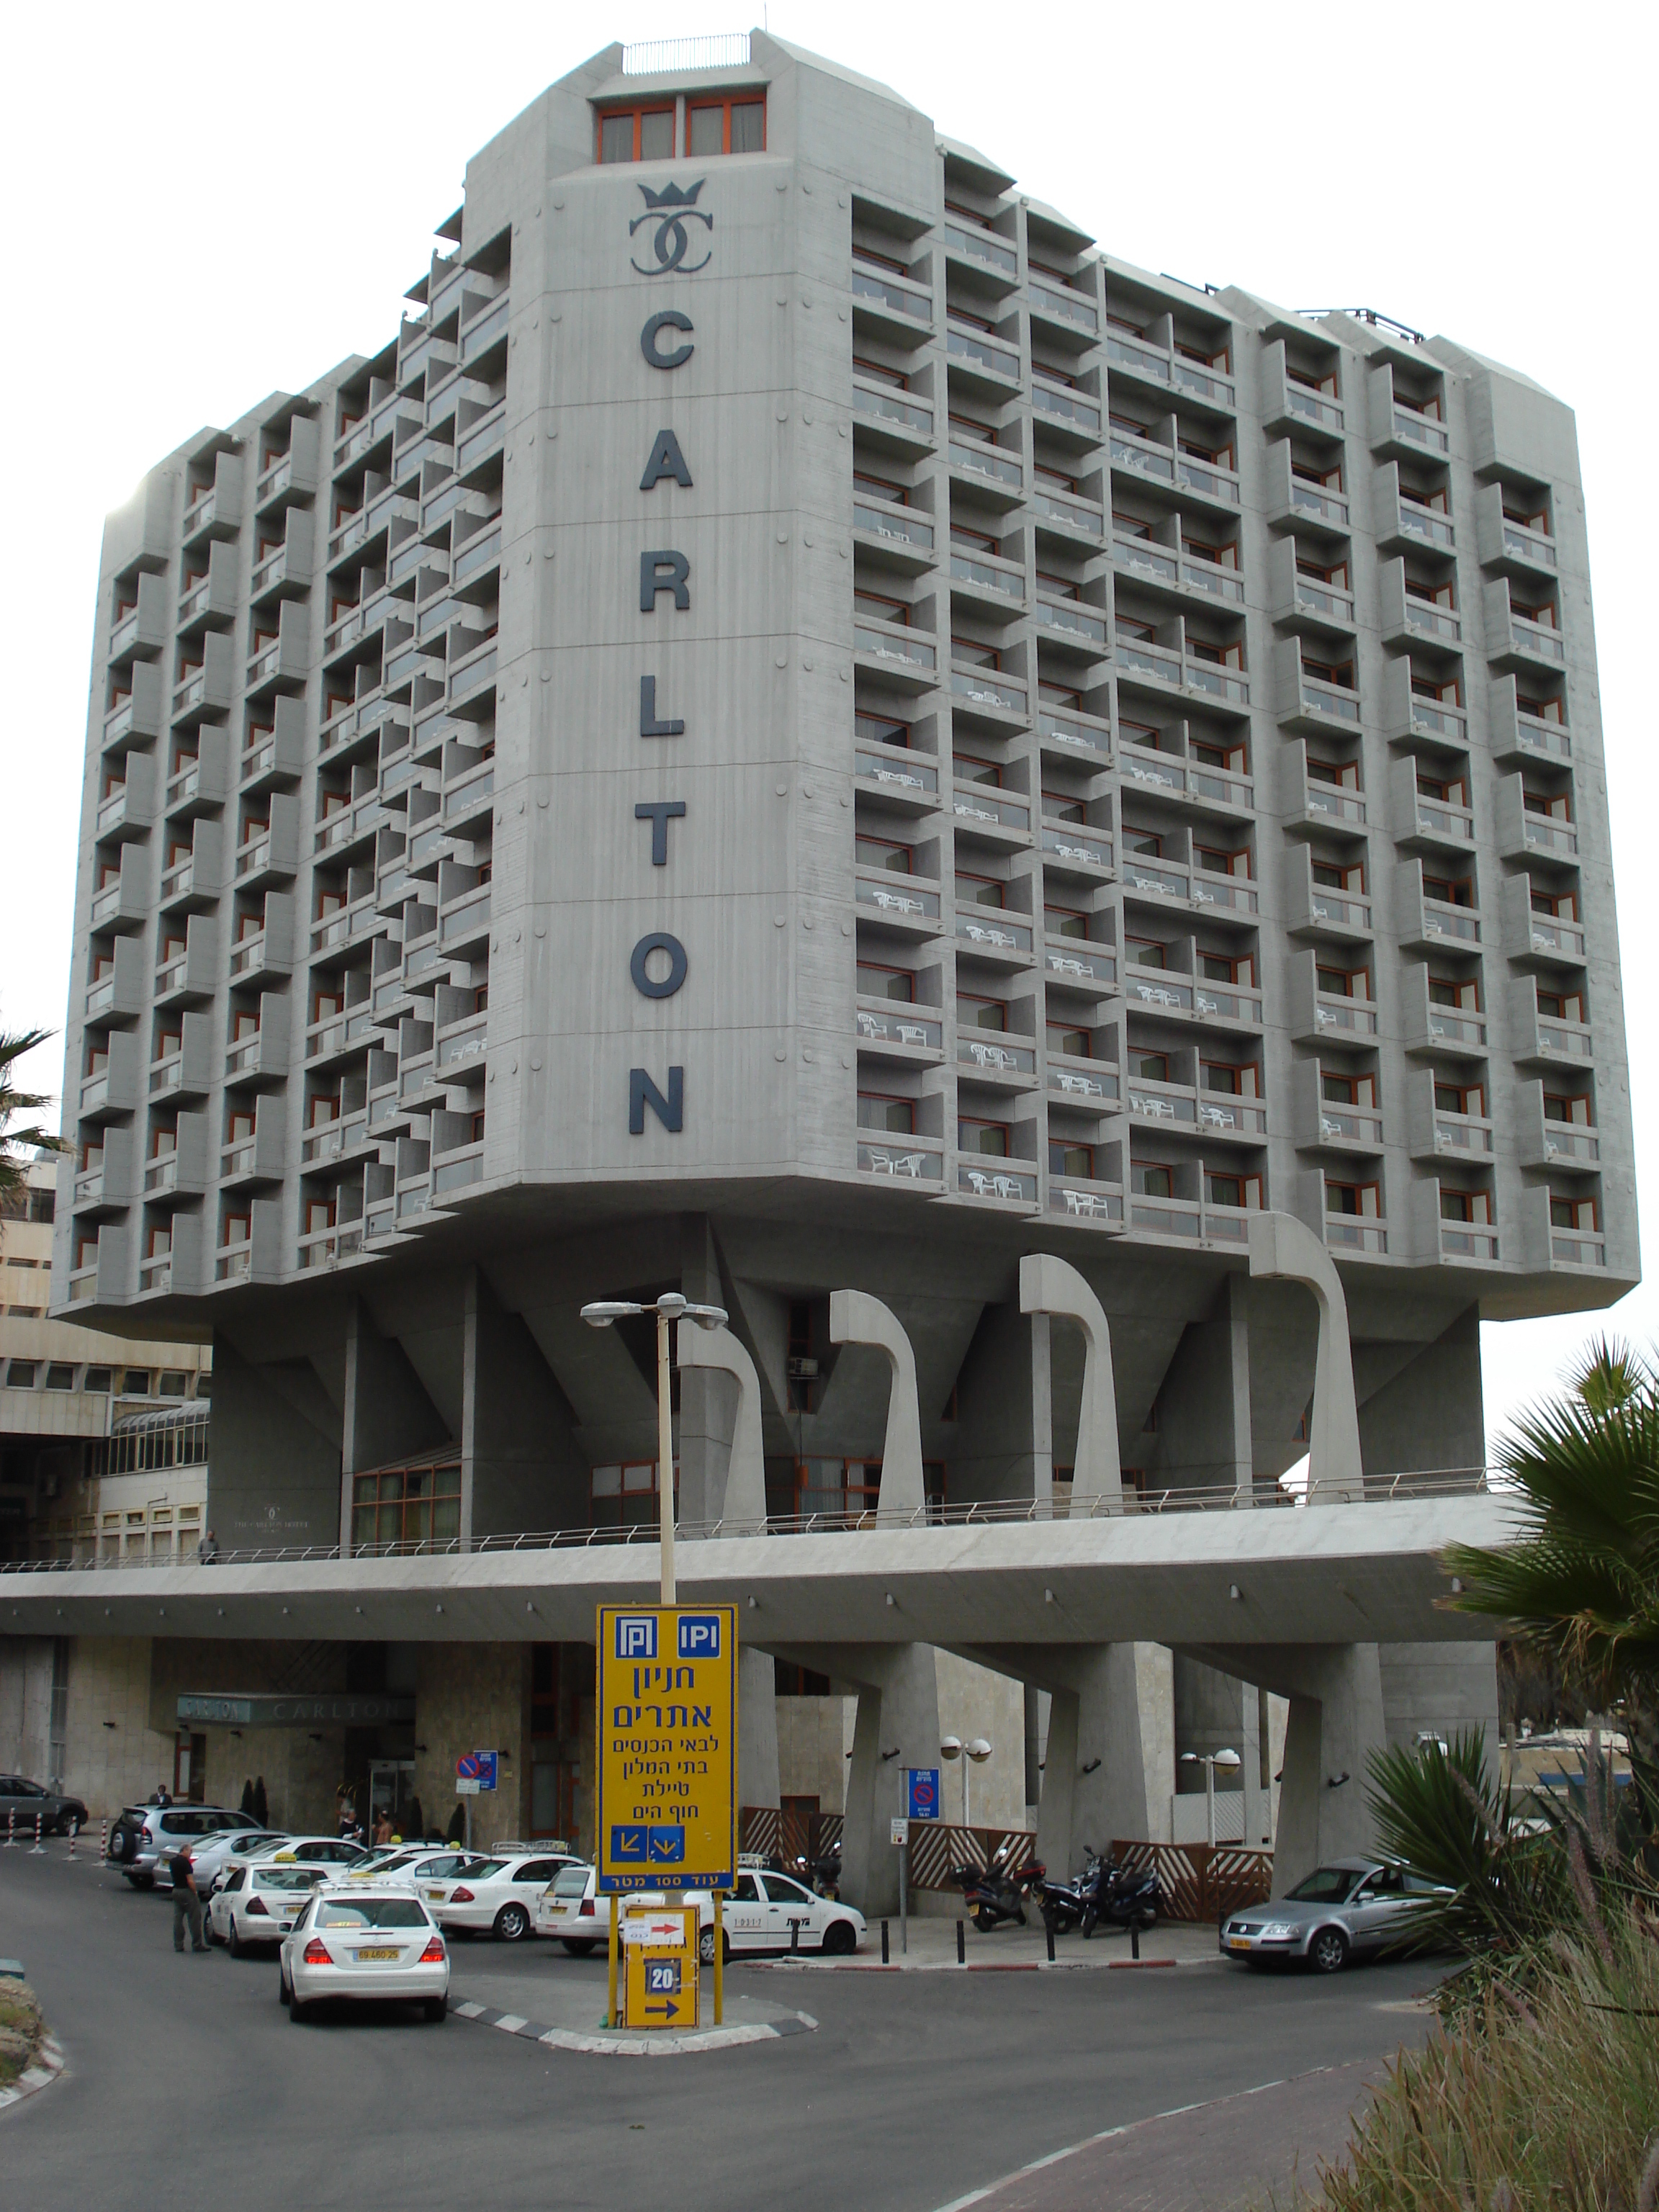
<point>20,2029</point>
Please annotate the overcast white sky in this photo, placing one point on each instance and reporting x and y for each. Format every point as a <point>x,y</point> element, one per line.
<point>209,204</point>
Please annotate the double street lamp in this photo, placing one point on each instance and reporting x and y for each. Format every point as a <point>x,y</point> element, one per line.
<point>1229,1761</point>
<point>670,1307</point>
<point>975,1751</point>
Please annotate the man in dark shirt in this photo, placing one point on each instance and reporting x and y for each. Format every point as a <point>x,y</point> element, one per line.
<point>186,1901</point>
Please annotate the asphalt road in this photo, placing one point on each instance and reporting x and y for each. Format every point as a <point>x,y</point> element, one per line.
<point>184,2077</point>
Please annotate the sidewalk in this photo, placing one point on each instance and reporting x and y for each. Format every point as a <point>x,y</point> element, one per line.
<point>933,1949</point>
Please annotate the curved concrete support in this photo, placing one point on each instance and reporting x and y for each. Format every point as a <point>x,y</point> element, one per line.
<point>857,1318</point>
<point>1281,1245</point>
<point>1051,1285</point>
<point>742,1508</point>
<point>896,1728</point>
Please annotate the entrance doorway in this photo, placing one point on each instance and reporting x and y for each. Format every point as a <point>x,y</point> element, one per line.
<point>391,1789</point>
<point>190,1769</point>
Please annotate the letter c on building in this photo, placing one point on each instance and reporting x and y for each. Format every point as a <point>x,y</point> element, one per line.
<point>672,318</point>
<point>658,941</point>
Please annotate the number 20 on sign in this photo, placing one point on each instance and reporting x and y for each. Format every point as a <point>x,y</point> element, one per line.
<point>667,1766</point>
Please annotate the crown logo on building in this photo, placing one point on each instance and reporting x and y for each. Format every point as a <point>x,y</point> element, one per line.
<point>673,195</point>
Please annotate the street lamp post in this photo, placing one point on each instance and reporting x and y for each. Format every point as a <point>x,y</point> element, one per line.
<point>973,1753</point>
<point>670,1307</point>
<point>1228,1761</point>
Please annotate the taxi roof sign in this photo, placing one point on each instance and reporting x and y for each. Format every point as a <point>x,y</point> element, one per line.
<point>666,1722</point>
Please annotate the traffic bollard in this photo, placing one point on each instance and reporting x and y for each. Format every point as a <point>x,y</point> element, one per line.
<point>962,1946</point>
<point>883,1943</point>
<point>794,1939</point>
<point>74,1830</point>
<point>103,1841</point>
<point>40,1850</point>
<point>1049,1931</point>
<point>11,1829</point>
<point>1134,1939</point>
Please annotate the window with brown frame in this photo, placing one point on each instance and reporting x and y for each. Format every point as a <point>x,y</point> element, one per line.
<point>1070,1159</point>
<point>881,487</point>
<point>880,608</point>
<point>1359,1199</point>
<point>733,125</point>
<point>645,133</point>
<point>1344,982</point>
<point>975,1012</point>
<point>1146,951</point>
<point>876,981</point>
<point>878,1110</point>
<point>1149,1066</point>
<point>1069,1044</point>
<point>883,853</point>
<point>878,730</point>
<point>1065,921</point>
<point>880,373</point>
<point>980,891</point>
<point>986,1137</point>
<point>1224,968</point>
<point>1151,1179</point>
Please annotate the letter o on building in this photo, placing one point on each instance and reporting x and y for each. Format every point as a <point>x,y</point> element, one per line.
<point>658,941</point>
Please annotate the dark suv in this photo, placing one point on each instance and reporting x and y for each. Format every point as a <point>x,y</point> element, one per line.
<point>145,1834</point>
<point>25,1800</point>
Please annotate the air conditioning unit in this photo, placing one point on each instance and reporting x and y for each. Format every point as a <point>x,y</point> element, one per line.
<point>802,1371</point>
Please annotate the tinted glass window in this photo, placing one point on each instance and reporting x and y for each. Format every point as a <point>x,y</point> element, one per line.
<point>236,1879</point>
<point>370,1912</point>
<point>179,1824</point>
<point>571,1881</point>
<point>745,1893</point>
<point>1325,1885</point>
<point>782,1891</point>
<point>535,1870</point>
<point>294,1880</point>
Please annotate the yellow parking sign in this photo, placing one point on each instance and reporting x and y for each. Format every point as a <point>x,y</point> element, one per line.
<point>659,1983</point>
<point>666,1720</point>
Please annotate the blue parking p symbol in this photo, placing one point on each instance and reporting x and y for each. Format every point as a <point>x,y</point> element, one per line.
<point>699,1635</point>
<point>636,1636</point>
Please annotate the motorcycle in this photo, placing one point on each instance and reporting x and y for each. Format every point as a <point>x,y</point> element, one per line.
<point>999,1892</point>
<point>1103,1891</point>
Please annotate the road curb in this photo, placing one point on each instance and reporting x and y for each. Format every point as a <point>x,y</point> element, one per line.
<point>41,2075</point>
<point>608,2043</point>
<point>970,1966</point>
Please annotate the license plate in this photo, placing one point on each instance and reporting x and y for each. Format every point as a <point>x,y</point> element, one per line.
<point>1238,1942</point>
<point>390,1952</point>
<point>436,1894</point>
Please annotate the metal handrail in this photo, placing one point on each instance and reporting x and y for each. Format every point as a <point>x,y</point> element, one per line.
<point>1440,1482</point>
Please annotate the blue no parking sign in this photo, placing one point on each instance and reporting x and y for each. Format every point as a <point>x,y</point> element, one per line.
<point>923,1792</point>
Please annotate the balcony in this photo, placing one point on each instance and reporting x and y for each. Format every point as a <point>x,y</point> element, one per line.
<point>900,529</point>
<point>989,697</point>
<point>998,586</point>
<point>1099,1204</point>
<point>1517,640</point>
<point>987,1177</point>
<point>1066,623</point>
<point>326,1247</point>
<point>1337,910</point>
<point>1001,943</point>
<point>902,782</point>
<point>1526,831</point>
<point>1091,1085</point>
<point>1075,735</point>
<point>481,441</point>
<point>1079,852</point>
<point>898,1032</point>
<point>1138,661</point>
<point>1354,1235</point>
<point>908,1161</point>
<point>1179,1109</point>
<point>1402,426</point>
<point>1079,965</point>
<point>975,359</point>
<point>334,1141</point>
<point>1290,402</point>
<point>1519,736</point>
<point>1064,511</point>
<point>997,1060</point>
<point>997,475</point>
<point>1546,1039</point>
<point>908,660</point>
<point>1556,939</point>
<point>902,905</point>
<point>1312,703</point>
<point>1502,544</point>
<point>985,250</point>
<point>985,809</point>
<point>1150,563</point>
<point>464,927</point>
<point>1408,524</point>
<point>1424,625</point>
<point>1433,1023</point>
<point>1068,412</point>
<point>889,306</point>
<point>891,422</point>
<point>1164,992</point>
<point>1188,1219</point>
<point>204,689</point>
<point>1449,1241</point>
<point>1078,315</point>
<point>1321,1016</point>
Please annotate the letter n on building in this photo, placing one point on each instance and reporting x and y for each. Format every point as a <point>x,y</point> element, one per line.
<point>643,1092</point>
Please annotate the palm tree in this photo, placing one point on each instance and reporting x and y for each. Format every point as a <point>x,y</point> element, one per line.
<point>14,1167</point>
<point>1581,1580</point>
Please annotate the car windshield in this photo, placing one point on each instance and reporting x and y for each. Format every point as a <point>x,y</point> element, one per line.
<point>299,1881</point>
<point>1325,1885</point>
<point>571,1881</point>
<point>485,1870</point>
<point>370,1912</point>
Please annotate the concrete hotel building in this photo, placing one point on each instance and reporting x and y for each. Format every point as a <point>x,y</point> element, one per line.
<point>801,728</point>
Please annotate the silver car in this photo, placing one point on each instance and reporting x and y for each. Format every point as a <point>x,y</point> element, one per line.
<point>363,1943</point>
<point>1341,1912</point>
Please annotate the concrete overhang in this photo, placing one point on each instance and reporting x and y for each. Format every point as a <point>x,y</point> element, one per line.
<point>1333,1574</point>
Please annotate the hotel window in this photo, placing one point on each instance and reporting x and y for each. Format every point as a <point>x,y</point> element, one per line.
<point>1066,1159</point>
<point>1149,1066</point>
<point>734,125</point>
<point>883,853</point>
<point>975,1012</point>
<point>637,134</point>
<point>1072,1044</point>
<point>1457,1098</point>
<point>1224,1190</point>
<point>407,1505</point>
<point>897,1117</point>
<point>980,891</point>
<point>1065,921</point>
<point>1148,1180</point>
<point>1218,968</point>
<point>1362,1199</point>
<point>878,730</point>
<point>984,1137</point>
<point>1344,982</point>
<point>878,982</point>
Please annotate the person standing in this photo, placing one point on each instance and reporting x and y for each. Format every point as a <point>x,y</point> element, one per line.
<point>186,1901</point>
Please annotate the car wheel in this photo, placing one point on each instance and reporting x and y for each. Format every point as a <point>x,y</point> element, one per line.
<point>437,2011</point>
<point>840,1939</point>
<point>512,1923</point>
<point>233,1941</point>
<point>706,1948</point>
<point>298,2013</point>
<point>210,1933</point>
<point>284,1994</point>
<point>578,1949</point>
<point>1327,1953</point>
<point>141,1880</point>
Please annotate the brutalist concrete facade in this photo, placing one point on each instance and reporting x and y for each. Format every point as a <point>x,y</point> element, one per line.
<point>801,726</point>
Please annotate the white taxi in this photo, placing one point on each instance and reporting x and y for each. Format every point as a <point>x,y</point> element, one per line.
<point>497,1894</point>
<point>373,1943</point>
<point>760,1915</point>
<point>258,1905</point>
<point>416,1869</point>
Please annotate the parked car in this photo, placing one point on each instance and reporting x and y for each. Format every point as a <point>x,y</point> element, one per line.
<point>259,1904</point>
<point>209,1857</point>
<point>144,1835</point>
<point>411,1870</point>
<point>330,1852</point>
<point>372,1944</point>
<point>757,1917</point>
<point>499,1895</point>
<point>24,1799</point>
<point>1340,1911</point>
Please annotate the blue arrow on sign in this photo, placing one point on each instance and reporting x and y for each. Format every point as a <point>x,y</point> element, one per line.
<point>667,1845</point>
<point>628,1845</point>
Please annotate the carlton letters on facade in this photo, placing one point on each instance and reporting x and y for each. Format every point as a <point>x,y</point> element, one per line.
<point>292,1712</point>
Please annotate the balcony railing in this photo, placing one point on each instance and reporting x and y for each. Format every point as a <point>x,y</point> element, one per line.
<point>1312,407</point>
<point>893,644</point>
<point>1065,406</point>
<point>1346,1232</point>
<point>1421,430</point>
<point>1067,305</point>
<point>1426,523</point>
<point>1009,582</point>
<point>900,1159</point>
<point>884,406</point>
<point>1321,506</point>
<point>975,802</point>
<point>1091,1080</point>
<point>1329,699</point>
<point>1547,835</point>
<point>1568,1141</point>
<point>866,285</point>
<point>1168,993</point>
<point>1577,1248</point>
<point>896,523</point>
<point>1346,912</point>
<point>1073,959</point>
<point>1448,1028</point>
<point>1539,638</point>
<point>1444,821</point>
<point>1528,544</point>
<point>1069,513</point>
<point>1086,1201</point>
<point>1321,599</point>
<point>1349,1017</point>
<point>894,905</point>
<point>1003,1182</point>
<point>987,690</point>
<point>1092,850</point>
<point>1072,622</point>
<point>1343,1125</point>
<point>985,461</point>
<point>1459,1240</point>
<point>981,935</point>
<point>1180,1105</point>
<point>994,1057</point>
<point>888,1025</point>
<point>1079,736</point>
<point>977,245</point>
<point>1334,804</point>
<point>968,345</point>
<point>1573,1039</point>
<point>1462,1133</point>
<point>1427,620</point>
<point>915,777</point>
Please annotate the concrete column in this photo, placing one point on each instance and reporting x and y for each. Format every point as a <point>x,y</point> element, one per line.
<point>1281,1245</point>
<point>1203,1440</point>
<point>1043,1421</point>
<point>896,1728</point>
<point>1051,1285</point>
<point>1094,1786</point>
<point>734,1485</point>
<point>857,1318</point>
<point>521,1467</point>
<point>1335,1720</point>
<point>704,1429</point>
<point>757,1728</point>
<point>274,1478</point>
<point>388,1415</point>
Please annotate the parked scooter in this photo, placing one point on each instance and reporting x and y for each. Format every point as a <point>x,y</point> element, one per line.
<point>1000,1891</point>
<point>1103,1891</point>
